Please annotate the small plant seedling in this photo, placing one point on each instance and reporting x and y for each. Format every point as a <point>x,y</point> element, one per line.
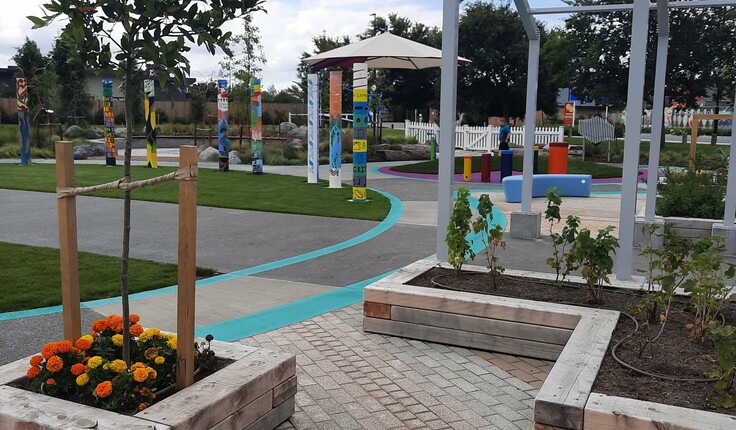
<point>458,246</point>
<point>491,235</point>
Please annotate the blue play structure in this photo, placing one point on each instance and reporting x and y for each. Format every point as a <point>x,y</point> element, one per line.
<point>569,186</point>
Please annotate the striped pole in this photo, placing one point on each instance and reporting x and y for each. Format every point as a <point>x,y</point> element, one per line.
<point>111,151</point>
<point>148,101</point>
<point>360,131</point>
<point>21,92</point>
<point>313,128</point>
<point>256,129</point>
<point>222,126</point>
<point>335,129</point>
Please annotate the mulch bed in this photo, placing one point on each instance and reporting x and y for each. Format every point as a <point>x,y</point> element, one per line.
<point>674,353</point>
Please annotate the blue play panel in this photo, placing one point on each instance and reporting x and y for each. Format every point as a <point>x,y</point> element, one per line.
<point>569,186</point>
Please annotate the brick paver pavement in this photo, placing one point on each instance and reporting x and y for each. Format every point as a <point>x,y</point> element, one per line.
<point>349,379</point>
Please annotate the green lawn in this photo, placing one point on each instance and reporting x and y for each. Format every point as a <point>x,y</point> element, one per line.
<point>30,276</point>
<point>573,166</point>
<point>234,190</point>
<point>678,147</point>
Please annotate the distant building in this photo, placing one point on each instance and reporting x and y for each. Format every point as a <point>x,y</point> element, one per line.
<point>583,109</point>
<point>172,93</point>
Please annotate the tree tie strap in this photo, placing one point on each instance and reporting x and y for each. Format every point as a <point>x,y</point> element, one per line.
<point>189,173</point>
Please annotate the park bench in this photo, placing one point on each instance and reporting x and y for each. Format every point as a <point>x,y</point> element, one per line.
<point>569,186</point>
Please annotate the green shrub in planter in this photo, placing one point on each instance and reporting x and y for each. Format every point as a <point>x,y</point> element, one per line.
<point>692,194</point>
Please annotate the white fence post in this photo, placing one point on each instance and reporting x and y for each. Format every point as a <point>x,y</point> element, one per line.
<point>406,128</point>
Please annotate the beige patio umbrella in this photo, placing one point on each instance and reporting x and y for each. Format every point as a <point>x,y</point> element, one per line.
<point>384,51</point>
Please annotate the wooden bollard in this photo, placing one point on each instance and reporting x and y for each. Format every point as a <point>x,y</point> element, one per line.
<point>68,252</point>
<point>187,269</point>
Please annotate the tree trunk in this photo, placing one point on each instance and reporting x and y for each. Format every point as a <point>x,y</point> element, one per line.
<point>126,209</point>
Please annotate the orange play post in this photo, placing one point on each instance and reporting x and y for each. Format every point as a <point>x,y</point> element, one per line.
<point>557,158</point>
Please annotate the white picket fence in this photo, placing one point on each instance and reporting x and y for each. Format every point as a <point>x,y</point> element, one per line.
<point>482,138</point>
<point>682,118</point>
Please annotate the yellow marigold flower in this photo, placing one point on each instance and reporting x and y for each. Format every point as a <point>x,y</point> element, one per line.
<point>151,353</point>
<point>149,333</point>
<point>159,360</point>
<point>106,366</point>
<point>136,365</point>
<point>172,343</point>
<point>140,374</point>
<point>152,373</point>
<point>95,362</point>
<point>54,364</point>
<point>118,366</point>
<point>36,360</point>
<point>82,379</point>
<point>117,339</point>
<point>104,389</point>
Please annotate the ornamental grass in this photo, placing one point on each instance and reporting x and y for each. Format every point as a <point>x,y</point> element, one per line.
<point>91,371</point>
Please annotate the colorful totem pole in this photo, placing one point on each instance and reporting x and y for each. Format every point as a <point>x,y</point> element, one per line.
<point>335,129</point>
<point>110,149</point>
<point>360,131</point>
<point>313,128</point>
<point>256,126</point>
<point>150,89</point>
<point>21,91</point>
<point>222,126</point>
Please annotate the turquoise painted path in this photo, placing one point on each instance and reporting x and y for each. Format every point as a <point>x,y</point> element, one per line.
<point>397,208</point>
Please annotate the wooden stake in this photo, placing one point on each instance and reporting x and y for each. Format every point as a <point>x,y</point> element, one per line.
<point>187,269</point>
<point>69,261</point>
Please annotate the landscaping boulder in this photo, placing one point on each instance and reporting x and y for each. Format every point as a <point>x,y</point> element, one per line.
<point>235,158</point>
<point>100,133</point>
<point>300,132</point>
<point>120,132</point>
<point>386,152</point>
<point>286,127</point>
<point>73,132</point>
<point>209,154</point>
<point>82,152</point>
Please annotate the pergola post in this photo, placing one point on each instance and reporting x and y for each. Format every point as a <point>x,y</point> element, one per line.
<point>448,108</point>
<point>728,229</point>
<point>632,141</point>
<point>657,123</point>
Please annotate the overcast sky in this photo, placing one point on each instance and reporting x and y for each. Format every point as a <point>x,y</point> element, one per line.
<point>286,30</point>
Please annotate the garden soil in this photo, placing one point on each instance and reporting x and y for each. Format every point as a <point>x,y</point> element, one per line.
<point>675,354</point>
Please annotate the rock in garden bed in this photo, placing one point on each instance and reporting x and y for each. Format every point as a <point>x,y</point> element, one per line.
<point>674,356</point>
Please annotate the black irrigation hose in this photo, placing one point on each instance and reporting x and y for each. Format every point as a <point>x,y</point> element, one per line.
<point>613,350</point>
<point>642,372</point>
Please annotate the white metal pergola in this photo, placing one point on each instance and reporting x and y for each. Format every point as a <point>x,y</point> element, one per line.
<point>634,104</point>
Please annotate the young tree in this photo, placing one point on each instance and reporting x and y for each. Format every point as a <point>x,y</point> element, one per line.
<point>244,63</point>
<point>123,35</point>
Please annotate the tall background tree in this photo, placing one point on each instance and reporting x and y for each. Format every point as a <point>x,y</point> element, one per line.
<point>43,87</point>
<point>126,35</point>
<point>70,69</point>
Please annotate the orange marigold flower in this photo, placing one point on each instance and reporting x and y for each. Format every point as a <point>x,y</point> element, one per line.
<point>142,406</point>
<point>94,335</point>
<point>63,346</point>
<point>140,374</point>
<point>54,364</point>
<point>48,350</point>
<point>36,360</point>
<point>84,343</point>
<point>137,365</point>
<point>77,369</point>
<point>104,389</point>
<point>85,360</point>
<point>50,381</point>
<point>116,323</point>
<point>136,330</point>
<point>134,318</point>
<point>33,372</point>
<point>145,392</point>
<point>100,325</point>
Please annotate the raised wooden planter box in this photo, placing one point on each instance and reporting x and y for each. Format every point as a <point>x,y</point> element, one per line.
<point>255,392</point>
<point>575,337</point>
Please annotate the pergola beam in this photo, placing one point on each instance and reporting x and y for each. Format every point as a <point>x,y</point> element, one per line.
<point>527,19</point>
<point>626,7</point>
